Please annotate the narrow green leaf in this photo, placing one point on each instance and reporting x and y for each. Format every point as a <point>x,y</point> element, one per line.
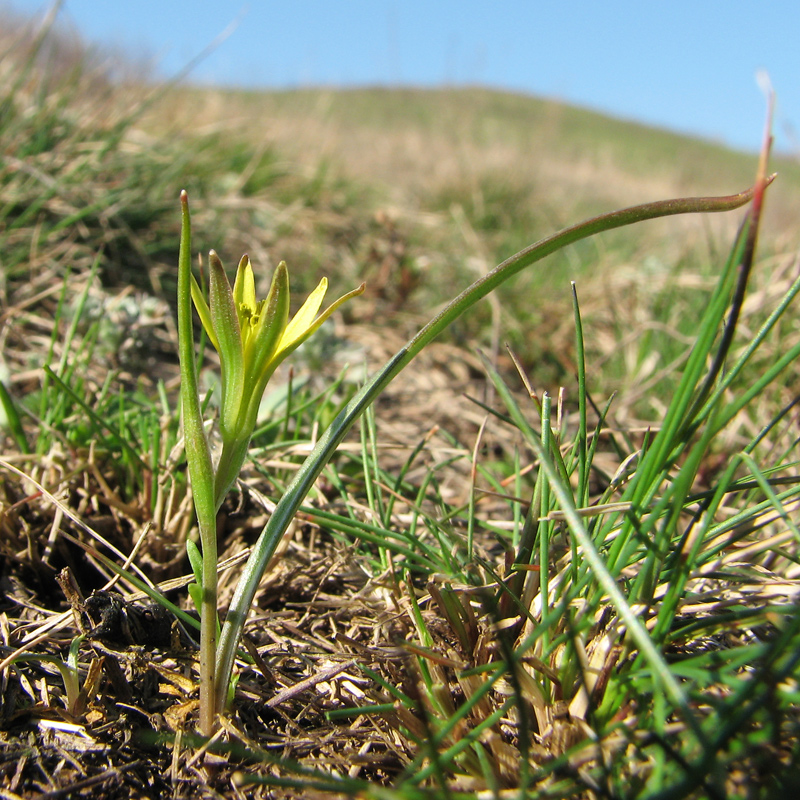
<point>13,419</point>
<point>198,454</point>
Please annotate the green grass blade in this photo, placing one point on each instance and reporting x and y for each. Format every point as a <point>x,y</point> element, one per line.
<point>13,419</point>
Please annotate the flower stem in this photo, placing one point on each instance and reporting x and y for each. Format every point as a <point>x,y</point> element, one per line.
<point>208,628</point>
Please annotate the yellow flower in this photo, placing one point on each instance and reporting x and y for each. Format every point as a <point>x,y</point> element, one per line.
<point>253,337</point>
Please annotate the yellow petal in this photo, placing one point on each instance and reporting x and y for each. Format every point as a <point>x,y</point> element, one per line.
<point>287,344</point>
<point>305,317</point>
<point>244,288</point>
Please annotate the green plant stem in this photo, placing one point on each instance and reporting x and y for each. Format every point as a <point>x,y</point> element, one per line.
<point>201,471</point>
<point>326,447</point>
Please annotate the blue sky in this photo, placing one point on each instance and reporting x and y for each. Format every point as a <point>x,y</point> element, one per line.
<point>687,66</point>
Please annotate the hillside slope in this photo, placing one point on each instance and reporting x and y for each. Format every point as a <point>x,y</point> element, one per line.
<point>417,144</point>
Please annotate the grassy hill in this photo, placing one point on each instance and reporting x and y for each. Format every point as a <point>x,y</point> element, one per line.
<point>418,143</point>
